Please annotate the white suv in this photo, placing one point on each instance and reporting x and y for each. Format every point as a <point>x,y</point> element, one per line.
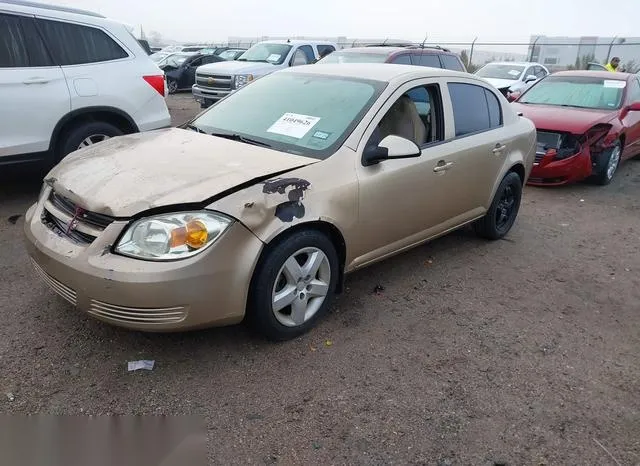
<point>71,78</point>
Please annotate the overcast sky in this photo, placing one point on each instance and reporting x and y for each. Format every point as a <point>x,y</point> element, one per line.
<point>442,20</point>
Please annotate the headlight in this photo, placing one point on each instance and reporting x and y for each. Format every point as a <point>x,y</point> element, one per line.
<point>242,80</point>
<point>172,236</point>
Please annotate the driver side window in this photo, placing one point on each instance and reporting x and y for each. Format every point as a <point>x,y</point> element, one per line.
<point>416,115</point>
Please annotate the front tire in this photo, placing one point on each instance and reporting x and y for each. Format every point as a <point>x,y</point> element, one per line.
<point>503,210</point>
<point>293,285</point>
<point>608,164</point>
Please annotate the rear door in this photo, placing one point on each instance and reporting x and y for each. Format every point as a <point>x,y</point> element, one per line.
<point>480,140</point>
<point>33,92</point>
<point>100,70</point>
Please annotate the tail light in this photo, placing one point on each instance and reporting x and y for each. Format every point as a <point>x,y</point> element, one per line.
<point>157,82</point>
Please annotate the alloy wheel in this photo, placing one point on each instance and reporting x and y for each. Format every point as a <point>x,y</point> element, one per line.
<point>301,286</point>
<point>614,160</point>
<point>93,139</point>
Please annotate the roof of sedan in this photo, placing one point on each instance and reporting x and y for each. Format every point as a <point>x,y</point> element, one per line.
<point>595,74</point>
<point>376,71</point>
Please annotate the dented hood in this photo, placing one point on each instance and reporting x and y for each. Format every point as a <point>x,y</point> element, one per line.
<point>565,119</point>
<point>126,175</point>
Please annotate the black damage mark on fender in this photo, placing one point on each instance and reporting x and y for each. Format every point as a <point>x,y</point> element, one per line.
<point>293,208</point>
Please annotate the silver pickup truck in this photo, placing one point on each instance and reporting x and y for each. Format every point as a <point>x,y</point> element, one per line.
<point>217,80</point>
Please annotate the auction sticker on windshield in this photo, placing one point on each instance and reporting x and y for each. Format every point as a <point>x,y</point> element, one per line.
<point>514,72</point>
<point>293,125</point>
<point>615,83</point>
<point>274,57</point>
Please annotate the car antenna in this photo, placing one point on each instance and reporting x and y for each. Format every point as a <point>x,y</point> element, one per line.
<point>385,41</point>
<point>425,39</point>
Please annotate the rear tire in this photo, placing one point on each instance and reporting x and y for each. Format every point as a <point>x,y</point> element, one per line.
<point>503,210</point>
<point>608,164</point>
<point>86,134</point>
<point>285,299</point>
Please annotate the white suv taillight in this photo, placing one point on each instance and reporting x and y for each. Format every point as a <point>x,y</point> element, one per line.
<point>157,82</point>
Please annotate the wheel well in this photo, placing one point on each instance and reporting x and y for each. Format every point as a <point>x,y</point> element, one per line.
<point>120,121</point>
<point>622,138</point>
<point>331,232</point>
<point>519,170</point>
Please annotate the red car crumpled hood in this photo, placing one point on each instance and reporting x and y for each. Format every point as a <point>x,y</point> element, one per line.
<point>565,119</point>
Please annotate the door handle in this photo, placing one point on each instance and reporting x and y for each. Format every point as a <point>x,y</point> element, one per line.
<point>36,81</point>
<point>499,148</point>
<point>442,166</point>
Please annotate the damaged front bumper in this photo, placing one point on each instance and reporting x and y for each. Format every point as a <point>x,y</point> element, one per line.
<point>209,289</point>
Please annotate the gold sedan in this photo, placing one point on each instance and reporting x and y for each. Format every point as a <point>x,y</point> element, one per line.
<point>258,207</point>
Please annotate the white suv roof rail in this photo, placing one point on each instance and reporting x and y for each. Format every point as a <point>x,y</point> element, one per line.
<point>45,6</point>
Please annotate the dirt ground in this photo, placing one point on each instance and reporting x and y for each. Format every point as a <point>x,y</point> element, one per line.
<point>521,352</point>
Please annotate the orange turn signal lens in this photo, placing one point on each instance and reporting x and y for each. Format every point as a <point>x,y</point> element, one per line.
<point>194,235</point>
<point>197,234</point>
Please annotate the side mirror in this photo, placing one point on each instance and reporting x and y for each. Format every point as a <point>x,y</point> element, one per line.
<point>391,147</point>
<point>530,78</point>
<point>634,107</point>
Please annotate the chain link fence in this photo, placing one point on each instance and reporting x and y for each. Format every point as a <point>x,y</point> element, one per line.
<point>555,53</point>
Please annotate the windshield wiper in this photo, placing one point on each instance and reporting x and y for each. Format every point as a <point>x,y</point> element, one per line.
<point>237,137</point>
<point>195,128</point>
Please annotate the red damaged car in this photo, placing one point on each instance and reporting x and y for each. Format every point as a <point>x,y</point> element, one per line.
<point>587,122</point>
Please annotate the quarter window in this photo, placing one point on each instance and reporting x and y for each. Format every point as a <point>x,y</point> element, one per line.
<point>474,108</point>
<point>20,43</point>
<point>72,44</point>
<point>451,63</point>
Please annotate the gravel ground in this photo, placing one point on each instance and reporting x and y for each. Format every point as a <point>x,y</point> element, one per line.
<point>522,351</point>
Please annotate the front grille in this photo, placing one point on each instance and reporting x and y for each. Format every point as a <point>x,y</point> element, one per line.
<point>214,82</point>
<point>134,315</point>
<point>565,144</point>
<point>67,219</point>
<point>63,290</point>
<point>97,220</point>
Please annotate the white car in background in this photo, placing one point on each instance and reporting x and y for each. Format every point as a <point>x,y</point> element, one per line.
<point>510,76</point>
<point>70,78</point>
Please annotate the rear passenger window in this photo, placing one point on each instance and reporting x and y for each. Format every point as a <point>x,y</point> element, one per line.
<point>402,60</point>
<point>308,52</point>
<point>426,59</point>
<point>451,63</point>
<point>325,50</point>
<point>474,108</point>
<point>20,44</point>
<point>72,44</point>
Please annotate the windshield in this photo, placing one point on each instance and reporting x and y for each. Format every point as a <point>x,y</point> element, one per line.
<point>354,57</point>
<point>576,91</point>
<point>158,56</point>
<point>510,72</point>
<point>177,59</point>
<point>229,54</point>
<point>268,53</point>
<point>301,114</point>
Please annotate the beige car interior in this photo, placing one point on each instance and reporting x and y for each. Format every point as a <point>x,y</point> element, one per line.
<point>404,120</point>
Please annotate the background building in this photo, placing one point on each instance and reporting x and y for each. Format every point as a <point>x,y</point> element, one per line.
<point>574,52</point>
